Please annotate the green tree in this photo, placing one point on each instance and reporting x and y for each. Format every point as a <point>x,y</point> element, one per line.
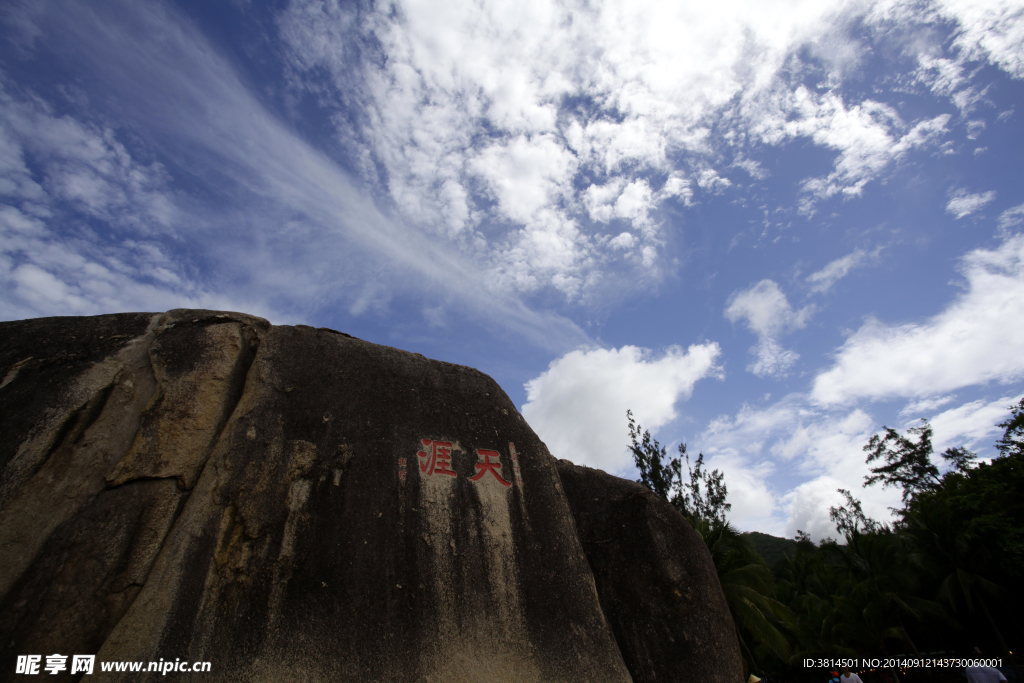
<point>749,590</point>
<point>908,465</point>
<point>1012,443</point>
<point>702,497</point>
<point>745,578</point>
<point>965,528</point>
<point>850,518</point>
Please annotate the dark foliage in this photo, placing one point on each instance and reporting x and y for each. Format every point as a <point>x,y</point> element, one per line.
<point>771,548</point>
<point>943,578</point>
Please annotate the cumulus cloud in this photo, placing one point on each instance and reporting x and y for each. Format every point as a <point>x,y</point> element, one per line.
<point>807,508</point>
<point>788,458</point>
<point>578,405</point>
<point>611,96</point>
<point>768,314</point>
<point>801,450</point>
<point>754,503</point>
<point>978,338</point>
<point>963,203</point>
<point>525,175</point>
<point>766,310</point>
<point>829,447</point>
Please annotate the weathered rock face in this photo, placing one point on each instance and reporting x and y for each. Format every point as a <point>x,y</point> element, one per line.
<point>289,503</point>
<point>657,584</point>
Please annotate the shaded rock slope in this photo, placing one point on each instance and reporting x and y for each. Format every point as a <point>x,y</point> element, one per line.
<point>294,504</point>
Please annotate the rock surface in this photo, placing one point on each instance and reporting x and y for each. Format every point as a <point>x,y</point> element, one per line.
<point>655,579</point>
<point>291,503</point>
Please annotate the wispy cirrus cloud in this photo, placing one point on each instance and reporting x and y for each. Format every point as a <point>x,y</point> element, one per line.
<point>523,150</point>
<point>1011,218</point>
<point>58,175</point>
<point>294,212</point>
<point>821,281</point>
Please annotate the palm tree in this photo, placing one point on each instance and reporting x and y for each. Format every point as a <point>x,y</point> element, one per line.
<point>809,582</point>
<point>748,587</point>
<point>886,588</point>
<point>943,549</point>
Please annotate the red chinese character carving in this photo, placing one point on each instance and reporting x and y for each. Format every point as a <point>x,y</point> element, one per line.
<point>486,466</point>
<point>438,460</point>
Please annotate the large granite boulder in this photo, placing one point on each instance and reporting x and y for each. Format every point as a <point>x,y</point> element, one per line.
<point>655,579</point>
<point>294,504</point>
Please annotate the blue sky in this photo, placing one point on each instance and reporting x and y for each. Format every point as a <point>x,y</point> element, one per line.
<point>768,228</point>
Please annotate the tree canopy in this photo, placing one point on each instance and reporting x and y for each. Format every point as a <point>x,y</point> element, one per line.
<point>942,577</point>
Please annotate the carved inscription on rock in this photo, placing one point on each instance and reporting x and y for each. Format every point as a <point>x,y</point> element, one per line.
<point>435,459</point>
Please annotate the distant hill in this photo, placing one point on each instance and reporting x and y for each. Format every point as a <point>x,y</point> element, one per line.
<point>771,548</point>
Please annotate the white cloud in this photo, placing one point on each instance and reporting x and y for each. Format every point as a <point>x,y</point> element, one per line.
<point>526,175</point>
<point>709,181</point>
<point>783,462</point>
<point>648,78</point>
<point>768,314</point>
<point>807,508</point>
<point>766,310</point>
<point>618,199</point>
<point>47,273</point>
<point>293,213</point>
<point>972,424</point>
<point>678,186</point>
<point>1011,218</point>
<point>869,136</point>
<point>634,203</point>
<point>619,95</point>
<point>992,30</point>
<point>978,338</point>
<point>834,271</point>
<point>623,241</point>
<point>83,165</point>
<point>578,405</point>
<point>963,204</point>
<point>754,504</point>
<point>770,359</point>
<point>924,408</point>
<point>600,199</point>
<point>50,264</point>
<point>800,449</point>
